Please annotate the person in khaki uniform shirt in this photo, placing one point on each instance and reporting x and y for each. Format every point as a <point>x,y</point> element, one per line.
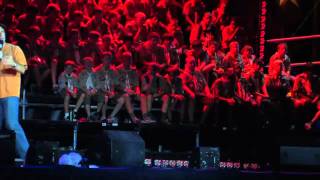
<point>195,88</point>
<point>88,82</point>
<point>68,86</point>
<point>128,84</point>
<point>12,64</point>
<point>153,86</point>
<point>107,80</point>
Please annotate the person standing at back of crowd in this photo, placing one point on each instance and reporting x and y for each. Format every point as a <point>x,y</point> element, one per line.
<point>233,58</point>
<point>229,33</point>
<point>281,54</point>
<point>247,57</point>
<point>276,102</point>
<point>200,55</point>
<point>151,52</point>
<point>12,64</point>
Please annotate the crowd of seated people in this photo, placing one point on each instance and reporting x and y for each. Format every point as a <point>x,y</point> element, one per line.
<point>179,52</point>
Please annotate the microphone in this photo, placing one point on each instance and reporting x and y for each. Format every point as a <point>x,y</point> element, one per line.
<point>1,43</point>
<point>1,46</point>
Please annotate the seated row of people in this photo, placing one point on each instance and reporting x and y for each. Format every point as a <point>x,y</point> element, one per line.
<point>183,90</point>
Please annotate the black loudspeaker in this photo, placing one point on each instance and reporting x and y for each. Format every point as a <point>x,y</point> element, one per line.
<point>206,157</point>
<point>42,153</point>
<point>7,147</point>
<point>120,148</point>
<point>299,156</point>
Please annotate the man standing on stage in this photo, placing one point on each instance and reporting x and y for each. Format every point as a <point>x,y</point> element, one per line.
<point>12,65</point>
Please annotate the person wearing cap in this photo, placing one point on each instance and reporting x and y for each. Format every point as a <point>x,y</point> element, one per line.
<point>224,91</point>
<point>247,57</point>
<point>229,34</point>
<point>151,51</point>
<point>68,86</point>
<point>107,81</point>
<point>12,64</point>
<point>108,44</point>
<point>97,22</point>
<point>276,85</point>
<point>93,47</point>
<point>254,80</point>
<point>213,69</point>
<point>132,7</point>
<point>233,59</point>
<point>76,20</point>
<point>8,16</point>
<point>112,6</point>
<point>51,20</point>
<point>153,86</point>
<point>276,102</point>
<point>282,55</point>
<point>193,11</point>
<point>54,55</point>
<point>195,87</point>
<point>127,46</point>
<point>128,86</point>
<point>39,69</point>
<point>37,42</point>
<point>28,18</point>
<point>301,92</point>
<point>176,93</point>
<point>88,82</point>
<point>200,55</point>
<point>74,47</point>
<point>116,29</point>
<point>171,53</point>
<point>137,27</point>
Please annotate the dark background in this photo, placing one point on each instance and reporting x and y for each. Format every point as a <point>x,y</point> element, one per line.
<point>282,21</point>
<point>290,20</point>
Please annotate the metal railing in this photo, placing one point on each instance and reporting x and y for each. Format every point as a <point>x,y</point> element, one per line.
<point>24,104</point>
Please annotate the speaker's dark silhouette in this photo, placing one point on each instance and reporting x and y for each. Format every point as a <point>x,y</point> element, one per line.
<point>7,147</point>
<point>300,156</point>
<point>119,148</point>
<point>42,153</point>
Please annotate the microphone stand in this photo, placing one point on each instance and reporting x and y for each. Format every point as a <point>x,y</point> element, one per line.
<point>75,132</point>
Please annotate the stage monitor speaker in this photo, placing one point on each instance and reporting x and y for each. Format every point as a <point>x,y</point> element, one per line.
<point>7,147</point>
<point>42,152</point>
<point>121,148</point>
<point>300,156</point>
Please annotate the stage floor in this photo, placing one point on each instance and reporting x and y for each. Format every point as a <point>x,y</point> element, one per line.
<point>242,146</point>
<point>125,173</point>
